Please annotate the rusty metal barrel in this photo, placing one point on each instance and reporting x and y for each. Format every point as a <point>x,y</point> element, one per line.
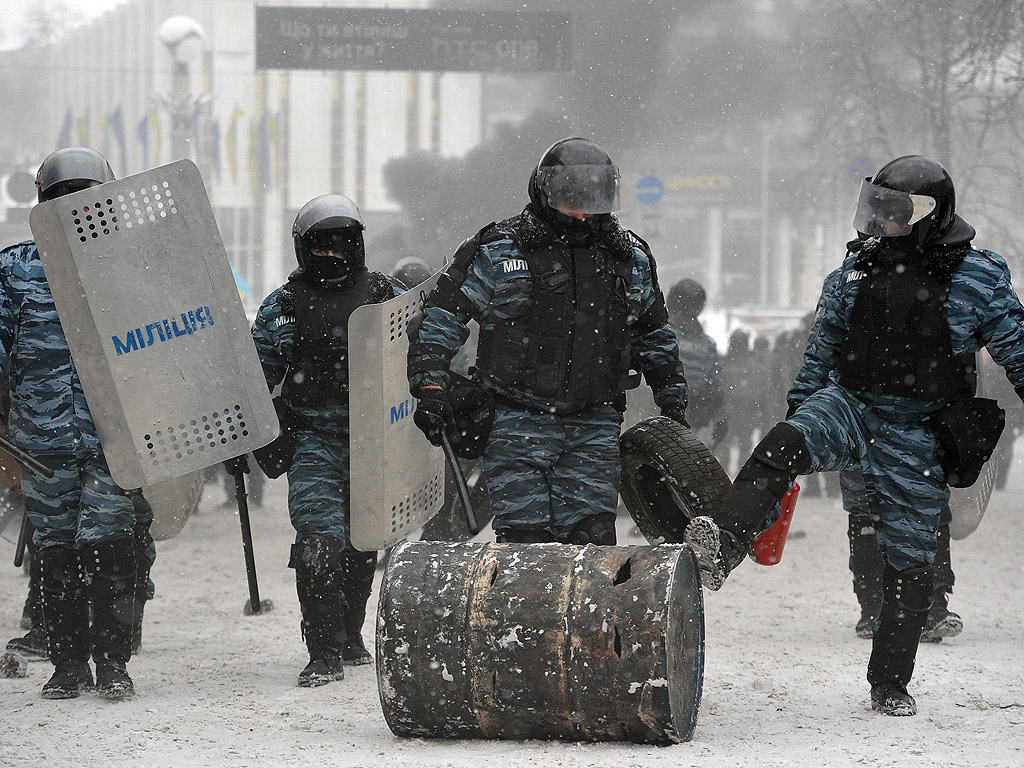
<point>541,641</point>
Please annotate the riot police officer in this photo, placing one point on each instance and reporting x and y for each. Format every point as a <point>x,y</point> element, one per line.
<point>706,411</point>
<point>888,384</point>
<point>84,523</point>
<point>301,335</point>
<point>564,298</point>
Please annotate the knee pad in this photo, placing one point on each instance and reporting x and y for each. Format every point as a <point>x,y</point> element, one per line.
<point>358,566</point>
<point>113,563</point>
<point>597,529</point>
<point>910,589</point>
<point>778,460</point>
<point>61,569</point>
<point>315,556</point>
<point>861,525</point>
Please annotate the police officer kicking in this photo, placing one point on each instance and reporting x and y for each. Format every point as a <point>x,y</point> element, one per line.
<point>889,379</point>
<point>564,298</point>
<point>301,335</point>
<point>84,523</point>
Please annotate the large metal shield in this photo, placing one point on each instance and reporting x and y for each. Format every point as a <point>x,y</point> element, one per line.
<point>144,291</point>
<point>397,476</point>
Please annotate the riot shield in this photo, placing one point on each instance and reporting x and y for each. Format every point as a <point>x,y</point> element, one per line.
<point>145,295</point>
<point>397,476</point>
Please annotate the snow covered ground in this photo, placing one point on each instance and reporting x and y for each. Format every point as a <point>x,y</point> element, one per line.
<point>784,675</point>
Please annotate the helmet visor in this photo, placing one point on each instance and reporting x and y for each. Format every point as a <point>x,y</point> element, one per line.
<point>588,189</point>
<point>884,212</point>
<point>344,240</point>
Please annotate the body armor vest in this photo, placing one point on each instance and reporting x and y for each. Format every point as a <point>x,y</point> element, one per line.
<point>318,371</point>
<point>899,343</point>
<point>573,344</point>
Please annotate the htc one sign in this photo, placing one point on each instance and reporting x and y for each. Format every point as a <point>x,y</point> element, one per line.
<point>412,40</point>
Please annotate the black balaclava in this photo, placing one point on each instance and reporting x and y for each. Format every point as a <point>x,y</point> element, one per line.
<point>327,272</point>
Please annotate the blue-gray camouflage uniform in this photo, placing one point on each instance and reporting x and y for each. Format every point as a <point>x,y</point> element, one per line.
<point>892,438</point>
<point>81,505</point>
<point>552,461</point>
<point>318,478</point>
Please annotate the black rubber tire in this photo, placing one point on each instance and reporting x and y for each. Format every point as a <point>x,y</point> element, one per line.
<point>668,477</point>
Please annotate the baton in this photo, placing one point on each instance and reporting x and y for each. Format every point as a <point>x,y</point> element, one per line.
<point>23,534</point>
<point>254,605</point>
<point>36,466</point>
<point>460,484</point>
<point>23,458</point>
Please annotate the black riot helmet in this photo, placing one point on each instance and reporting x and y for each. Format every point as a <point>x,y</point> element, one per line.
<point>410,271</point>
<point>686,299</point>
<point>911,197</point>
<point>71,169</point>
<point>328,237</point>
<point>575,176</point>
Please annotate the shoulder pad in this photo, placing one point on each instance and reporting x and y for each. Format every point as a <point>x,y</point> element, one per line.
<point>379,288</point>
<point>287,300</point>
<point>466,251</point>
<point>490,234</point>
<point>640,243</point>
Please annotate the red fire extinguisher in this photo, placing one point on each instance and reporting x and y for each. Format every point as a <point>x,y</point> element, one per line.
<point>768,545</point>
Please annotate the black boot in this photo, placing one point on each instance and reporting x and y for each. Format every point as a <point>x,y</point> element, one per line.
<point>65,610</point>
<point>318,584</point>
<point>33,644</point>
<point>113,566</point>
<point>941,621</point>
<point>866,566</point>
<point>720,543</point>
<point>357,569</point>
<point>906,597</point>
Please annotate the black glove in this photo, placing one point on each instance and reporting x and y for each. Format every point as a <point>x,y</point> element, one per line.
<point>433,413</point>
<point>677,413</point>
<point>231,466</point>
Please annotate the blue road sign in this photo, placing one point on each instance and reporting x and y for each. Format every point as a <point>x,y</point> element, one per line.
<point>861,168</point>
<point>649,190</point>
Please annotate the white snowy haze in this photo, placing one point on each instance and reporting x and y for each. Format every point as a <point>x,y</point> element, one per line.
<point>758,119</point>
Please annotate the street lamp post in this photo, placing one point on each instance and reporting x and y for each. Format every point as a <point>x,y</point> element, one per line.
<point>184,38</point>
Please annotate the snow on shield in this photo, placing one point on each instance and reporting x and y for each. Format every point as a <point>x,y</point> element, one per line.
<point>157,332</point>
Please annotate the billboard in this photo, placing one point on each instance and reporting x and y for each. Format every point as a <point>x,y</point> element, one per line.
<point>412,40</point>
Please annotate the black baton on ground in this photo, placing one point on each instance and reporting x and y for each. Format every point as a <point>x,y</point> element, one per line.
<point>24,459</point>
<point>460,483</point>
<point>250,560</point>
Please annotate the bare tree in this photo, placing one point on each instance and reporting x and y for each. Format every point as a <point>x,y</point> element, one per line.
<point>48,21</point>
<point>944,80</point>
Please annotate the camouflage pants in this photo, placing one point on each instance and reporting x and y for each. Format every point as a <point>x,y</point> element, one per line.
<point>318,485</point>
<point>80,506</point>
<point>545,473</point>
<point>899,459</point>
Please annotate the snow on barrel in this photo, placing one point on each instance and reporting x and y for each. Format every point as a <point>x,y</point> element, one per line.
<point>541,641</point>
